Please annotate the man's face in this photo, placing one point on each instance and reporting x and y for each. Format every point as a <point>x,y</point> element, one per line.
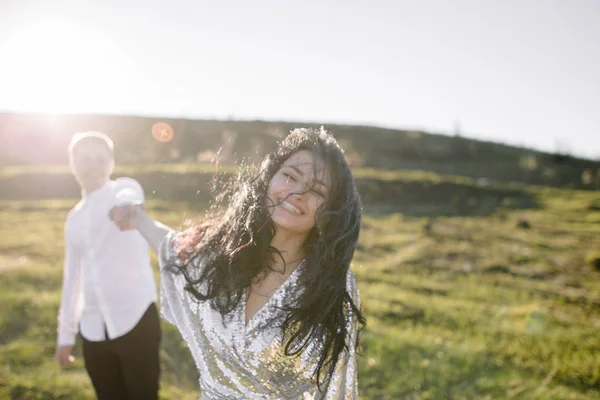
<point>92,165</point>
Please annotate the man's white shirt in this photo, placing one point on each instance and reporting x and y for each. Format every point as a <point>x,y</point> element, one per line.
<point>108,282</point>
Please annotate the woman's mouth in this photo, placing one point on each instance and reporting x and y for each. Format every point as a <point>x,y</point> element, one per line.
<point>290,207</point>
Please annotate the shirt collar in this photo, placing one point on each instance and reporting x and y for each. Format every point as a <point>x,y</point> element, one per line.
<point>89,196</point>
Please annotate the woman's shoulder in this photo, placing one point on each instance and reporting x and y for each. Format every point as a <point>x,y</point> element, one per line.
<point>167,248</point>
<point>177,248</point>
<point>174,244</point>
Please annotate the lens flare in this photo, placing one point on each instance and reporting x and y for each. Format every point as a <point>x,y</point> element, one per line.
<point>162,132</point>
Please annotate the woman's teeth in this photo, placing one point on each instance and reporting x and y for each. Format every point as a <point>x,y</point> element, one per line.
<point>290,207</point>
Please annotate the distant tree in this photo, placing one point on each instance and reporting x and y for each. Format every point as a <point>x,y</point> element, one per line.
<point>562,152</point>
<point>457,130</point>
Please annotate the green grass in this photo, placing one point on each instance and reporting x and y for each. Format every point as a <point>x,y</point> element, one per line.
<point>458,307</point>
<point>129,170</point>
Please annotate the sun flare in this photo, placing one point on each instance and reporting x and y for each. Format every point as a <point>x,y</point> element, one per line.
<point>55,65</point>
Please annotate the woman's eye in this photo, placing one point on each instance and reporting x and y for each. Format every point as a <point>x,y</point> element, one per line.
<point>320,194</point>
<point>288,176</point>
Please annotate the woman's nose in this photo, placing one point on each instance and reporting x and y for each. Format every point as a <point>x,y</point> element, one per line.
<point>301,188</point>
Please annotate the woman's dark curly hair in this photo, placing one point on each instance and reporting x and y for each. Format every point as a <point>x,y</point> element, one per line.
<point>238,239</point>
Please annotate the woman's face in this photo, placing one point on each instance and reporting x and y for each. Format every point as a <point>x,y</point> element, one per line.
<point>297,191</point>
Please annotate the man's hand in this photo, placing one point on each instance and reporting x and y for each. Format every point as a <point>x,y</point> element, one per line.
<point>63,355</point>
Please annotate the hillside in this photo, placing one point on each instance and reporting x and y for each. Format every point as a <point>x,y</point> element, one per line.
<point>33,139</point>
<point>473,288</point>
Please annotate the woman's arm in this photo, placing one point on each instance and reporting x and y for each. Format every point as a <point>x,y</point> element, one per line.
<point>129,217</point>
<point>153,231</point>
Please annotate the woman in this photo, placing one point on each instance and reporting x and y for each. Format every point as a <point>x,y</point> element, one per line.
<point>262,292</point>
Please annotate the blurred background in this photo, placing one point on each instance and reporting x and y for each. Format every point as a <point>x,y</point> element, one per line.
<point>472,128</point>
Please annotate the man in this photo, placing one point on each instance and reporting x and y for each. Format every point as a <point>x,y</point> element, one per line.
<point>109,292</point>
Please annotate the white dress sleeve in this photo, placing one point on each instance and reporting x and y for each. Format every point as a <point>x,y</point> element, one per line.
<point>175,301</point>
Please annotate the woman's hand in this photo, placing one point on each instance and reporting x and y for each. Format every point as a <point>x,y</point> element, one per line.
<point>125,216</point>
<point>133,217</point>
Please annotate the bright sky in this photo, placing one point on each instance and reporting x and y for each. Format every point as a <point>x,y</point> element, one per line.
<point>524,72</point>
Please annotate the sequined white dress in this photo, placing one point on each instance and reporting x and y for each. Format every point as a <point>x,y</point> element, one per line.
<point>246,361</point>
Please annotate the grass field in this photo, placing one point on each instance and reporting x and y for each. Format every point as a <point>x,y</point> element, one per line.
<point>458,307</point>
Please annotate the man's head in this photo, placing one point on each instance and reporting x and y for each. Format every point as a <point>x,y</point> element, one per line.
<point>91,159</point>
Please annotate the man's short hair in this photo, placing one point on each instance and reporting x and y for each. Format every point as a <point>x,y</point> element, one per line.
<point>90,136</point>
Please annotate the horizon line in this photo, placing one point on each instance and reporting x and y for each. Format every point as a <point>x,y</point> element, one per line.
<point>364,124</point>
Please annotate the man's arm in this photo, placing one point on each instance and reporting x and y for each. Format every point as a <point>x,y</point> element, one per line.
<point>71,304</point>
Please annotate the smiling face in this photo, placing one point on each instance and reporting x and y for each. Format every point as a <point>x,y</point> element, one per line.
<point>297,193</point>
<point>92,164</point>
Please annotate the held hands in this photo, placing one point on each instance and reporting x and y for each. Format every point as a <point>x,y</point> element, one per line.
<point>125,216</point>
<point>125,213</point>
<point>63,355</point>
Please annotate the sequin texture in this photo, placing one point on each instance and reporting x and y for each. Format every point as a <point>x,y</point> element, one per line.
<point>236,360</point>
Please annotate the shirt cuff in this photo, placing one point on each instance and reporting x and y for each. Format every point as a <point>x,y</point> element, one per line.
<point>66,339</point>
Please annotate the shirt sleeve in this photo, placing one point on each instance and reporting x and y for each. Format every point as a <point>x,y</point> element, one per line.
<point>175,301</point>
<point>343,383</point>
<point>71,304</point>
<point>130,183</point>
